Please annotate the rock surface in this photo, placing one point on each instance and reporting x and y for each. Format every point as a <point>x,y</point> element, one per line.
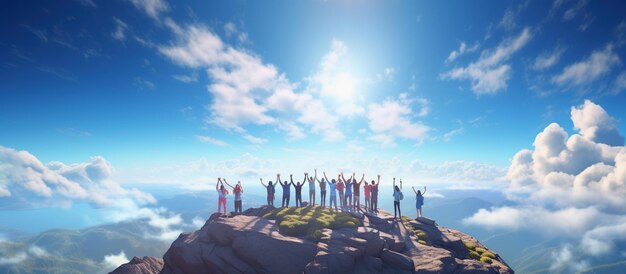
<point>248,243</point>
<point>145,265</point>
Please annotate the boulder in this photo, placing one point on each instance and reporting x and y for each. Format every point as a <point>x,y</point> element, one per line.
<point>143,265</point>
<point>397,260</point>
<point>425,220</point>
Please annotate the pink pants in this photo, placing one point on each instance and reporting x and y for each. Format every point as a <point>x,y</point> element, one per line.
<point>220,202</point>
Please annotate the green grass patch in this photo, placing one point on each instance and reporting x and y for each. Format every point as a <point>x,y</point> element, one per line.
<point>470,246</point>
<point>474,255</point>
<point>479,253</point>
<point>480,250</point>
<point>423,242</point>
<point>488,255</point>
<point>421,235</point>
<point>309,221</point>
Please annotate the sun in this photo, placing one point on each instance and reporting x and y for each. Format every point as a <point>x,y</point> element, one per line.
<point>343,86</point>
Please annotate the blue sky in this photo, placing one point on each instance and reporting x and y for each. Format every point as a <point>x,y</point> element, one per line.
<point>105,103</point>
<point>408,80</point>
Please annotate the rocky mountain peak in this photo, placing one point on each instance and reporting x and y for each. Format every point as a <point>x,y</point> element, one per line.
<point>318,240</point>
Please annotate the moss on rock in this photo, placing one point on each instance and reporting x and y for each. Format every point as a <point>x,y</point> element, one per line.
<point>309,221</point>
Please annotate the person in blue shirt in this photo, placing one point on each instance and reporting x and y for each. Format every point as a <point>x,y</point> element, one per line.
<point>286,191</point>
<point>347,202</point>
<point>397,197</point>
<point>419,200</point>
<point>332,185</point>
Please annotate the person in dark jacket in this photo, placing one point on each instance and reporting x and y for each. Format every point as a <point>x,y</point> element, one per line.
<point>270,192</point>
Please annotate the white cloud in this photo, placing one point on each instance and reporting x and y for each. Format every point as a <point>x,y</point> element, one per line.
<point>489,74</point>
<point>292,130</point>
<point>599,63</point>
<point>230,28</point>
<point>187,78</point>
<point>354,147</point>
<point>467,171</point>
<point>334,79</point>
<point>153,8</point>
<point>198,222</point>
<point>143,83</point>
<point>31,251</point>
<point>112,261</point>
<point>37,251</point>
<point>13,259</point>
<point>350,109</point>
<point>569,221</point>
<point>90,181</point>
<point>387,74</point>
<point>548,59</point>
<point>255,140</point>
<point>120,29</point>
<point>168,225</point>
<point>462,49</point>
<point>595,124</point>
<point>448,135</point>
<point>569,185</point>
<point>508,20</point>
<point>245,90</point>
<point>211,140</point>
<point>392,119</point>
<point>575,9</point>
<point>619,84</point>
<point>565,258</point>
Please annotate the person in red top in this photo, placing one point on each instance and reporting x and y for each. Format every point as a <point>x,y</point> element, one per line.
<point>340,188</point>
<point>221,192</point>
<point>366,191</point>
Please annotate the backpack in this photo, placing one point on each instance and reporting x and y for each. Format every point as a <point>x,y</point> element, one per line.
<point>401,196</point>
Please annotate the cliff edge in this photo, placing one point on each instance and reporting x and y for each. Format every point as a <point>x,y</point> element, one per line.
<point>317,240</point>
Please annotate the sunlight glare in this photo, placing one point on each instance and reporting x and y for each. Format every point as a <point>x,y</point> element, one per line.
<point>343,86</point>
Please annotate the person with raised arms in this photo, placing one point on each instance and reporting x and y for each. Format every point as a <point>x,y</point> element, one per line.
<point>374,192</point>
<point>270,192</point>
<point>311,188</point>
<point>237,190</point>
<point>221,194</point>
<point>286,191</point>
<point>367,193</point>
<point>419,201</point>
<point>322,189</point>
<point>397,197</point>
<point>356,191</point>
<point>340,188</point>
<point>298,187</point>
<point>348,194</point>
<point>333,193</point>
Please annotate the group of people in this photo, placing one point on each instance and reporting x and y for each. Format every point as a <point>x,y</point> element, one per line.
<point>349,191</point>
